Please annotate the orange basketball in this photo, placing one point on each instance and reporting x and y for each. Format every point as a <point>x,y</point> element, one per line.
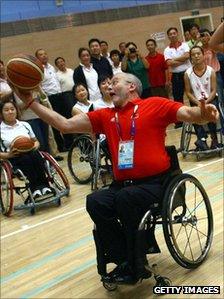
<point>25,71</point>
<point>22,144</point>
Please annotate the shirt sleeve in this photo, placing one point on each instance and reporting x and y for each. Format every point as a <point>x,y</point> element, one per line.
<point>167,54</point>
<point>186,47</point>
<point>96,119</point>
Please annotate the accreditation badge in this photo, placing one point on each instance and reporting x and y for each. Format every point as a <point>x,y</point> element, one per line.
<point>126,154</point>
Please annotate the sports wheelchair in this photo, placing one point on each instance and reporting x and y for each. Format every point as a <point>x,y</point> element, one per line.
<point>186,142</point>
<point>89,161</point>
<point>187,221</point>
<point>58,183</point>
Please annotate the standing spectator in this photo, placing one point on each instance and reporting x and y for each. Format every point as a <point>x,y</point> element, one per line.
<point>122,49</point>
<point>87,75</point>
<point>200,82</point>
<point>212,60</point>
<point>177,58</point>
<point>104,50</point>
<point>135,63</point>
<point>115,59</point>
<point>158,71</point>
<point>51,86</point>
<point>195,36</point>
<point>187,35</point>
<point>5,90</point>
<point>100,63</point>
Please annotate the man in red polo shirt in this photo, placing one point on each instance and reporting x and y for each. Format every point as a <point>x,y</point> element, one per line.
<point>135,131</point>
<point>158,71</point>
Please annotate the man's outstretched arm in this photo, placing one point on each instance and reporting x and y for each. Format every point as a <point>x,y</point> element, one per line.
<point>77,124</point>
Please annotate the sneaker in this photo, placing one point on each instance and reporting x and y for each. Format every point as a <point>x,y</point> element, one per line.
<point>46,191</point>
<point>37,194</point>
<point>201,145</point>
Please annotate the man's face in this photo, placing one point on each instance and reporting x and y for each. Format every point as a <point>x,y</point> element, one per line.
<point>173,35</point>
<point>42,56</point>
<point>119,89</point>
<point>194,32</point>
<point>197,56</point>
<point>151,47</point>
<point>122,47</point>
<point>60,64</point>
<point>104,48</point>
<point>115,58</point>
<point>95,48</point>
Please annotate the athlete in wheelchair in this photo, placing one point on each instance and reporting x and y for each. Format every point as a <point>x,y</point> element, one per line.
<point>200,83</point>
<point>141,171</point>
<point>43,179</point>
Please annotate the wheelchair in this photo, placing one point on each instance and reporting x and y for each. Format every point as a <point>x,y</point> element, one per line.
<point>187,221</point>
<point>186,143</point>
<point>58,183</point>
<point>89,161</point>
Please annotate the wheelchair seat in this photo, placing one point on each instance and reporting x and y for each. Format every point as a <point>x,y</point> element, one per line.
<point>13,180</point>
<point>187,221</point>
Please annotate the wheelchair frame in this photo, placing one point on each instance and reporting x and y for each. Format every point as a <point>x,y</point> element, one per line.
<point>85,161</point>
<point>178,208</point>
<point>59,185</point>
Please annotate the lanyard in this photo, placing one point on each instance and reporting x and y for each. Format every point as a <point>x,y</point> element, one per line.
<point>133,128</point>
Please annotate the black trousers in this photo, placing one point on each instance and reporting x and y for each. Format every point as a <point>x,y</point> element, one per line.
<point>178,86</point>
<point>117,213</point>
<point>32,165</point>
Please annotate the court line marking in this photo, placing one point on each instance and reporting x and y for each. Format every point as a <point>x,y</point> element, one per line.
<point>25,228</point>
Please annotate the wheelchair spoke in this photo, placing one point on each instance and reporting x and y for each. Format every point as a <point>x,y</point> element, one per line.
<point>197,230</point>
<point>179,231</point>
<point>188,242</point>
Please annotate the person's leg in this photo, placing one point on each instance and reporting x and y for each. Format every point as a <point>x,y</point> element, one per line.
<point>40,130</point>
<point>100,206</point>
<point>178,90</point>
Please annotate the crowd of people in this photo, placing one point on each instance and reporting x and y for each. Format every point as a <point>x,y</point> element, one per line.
<point>106,95</point>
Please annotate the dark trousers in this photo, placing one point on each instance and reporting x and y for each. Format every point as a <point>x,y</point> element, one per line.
<point>40,129</point>
<point>146,93</point>
<point>32,166</point>
<point>61,103</point>
<point>178,86</point>
<point>128,204</point>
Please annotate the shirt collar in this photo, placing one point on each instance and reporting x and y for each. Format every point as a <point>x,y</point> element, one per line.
<point>176,45</point>
<point>4,125</point>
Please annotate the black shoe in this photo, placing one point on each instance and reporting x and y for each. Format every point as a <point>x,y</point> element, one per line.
<point>201,145</point>
<point>59,158</point>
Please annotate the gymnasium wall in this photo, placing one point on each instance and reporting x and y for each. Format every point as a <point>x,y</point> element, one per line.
<point>66,41</point>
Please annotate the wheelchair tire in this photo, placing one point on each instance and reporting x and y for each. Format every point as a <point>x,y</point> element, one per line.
<point>6,189</point>
<point>186,213</point>
<point>80,159</point>
<point>109,286</point>
<point>185,138</point>
<point>56,176</point>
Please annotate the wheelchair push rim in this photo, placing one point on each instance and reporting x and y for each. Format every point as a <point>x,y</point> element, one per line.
<point>80,159</point>
<point>6,189</point>
<point>187,221</point>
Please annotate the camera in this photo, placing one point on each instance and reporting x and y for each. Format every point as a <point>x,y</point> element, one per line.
<point>132,50</point>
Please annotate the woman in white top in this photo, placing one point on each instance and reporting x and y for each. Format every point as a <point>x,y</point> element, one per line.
<point>200,85</point>
<point>83,104</point>
<point>31,163</point>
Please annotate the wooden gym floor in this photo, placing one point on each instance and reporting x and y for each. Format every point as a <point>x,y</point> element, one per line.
<point>52,254</point>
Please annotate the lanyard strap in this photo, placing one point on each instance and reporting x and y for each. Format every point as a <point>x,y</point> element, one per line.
<point>133,128</point>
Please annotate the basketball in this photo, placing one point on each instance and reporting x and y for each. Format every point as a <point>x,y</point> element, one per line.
<point>22,144</point>
<point>25,71</point>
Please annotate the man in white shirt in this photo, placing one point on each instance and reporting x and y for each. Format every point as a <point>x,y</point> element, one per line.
<point>51,86</point>
<point>177,58</point>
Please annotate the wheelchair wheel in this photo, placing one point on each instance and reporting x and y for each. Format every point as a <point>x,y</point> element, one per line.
<point>56,176</point>
<point>187,221</point>
<point>185,138</point>
<point>6,189</point>
<point>80,157</point>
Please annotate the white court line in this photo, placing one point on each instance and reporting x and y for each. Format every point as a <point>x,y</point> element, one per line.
<point>27,227</point>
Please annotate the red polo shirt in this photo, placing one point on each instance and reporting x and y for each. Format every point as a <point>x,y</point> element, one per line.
<point>156,70</point>
<point>152,118</point>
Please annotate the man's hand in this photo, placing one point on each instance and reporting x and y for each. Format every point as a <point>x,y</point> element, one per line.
<point>209,112</point>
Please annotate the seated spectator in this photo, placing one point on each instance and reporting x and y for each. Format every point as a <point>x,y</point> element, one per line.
<point>200,85</point>
<point>83,104</point>
<point>134,63</point>
<point>30,163</point>
<point>104,50</point>
<point>106,101</point>
<point>115,62</point>
<point>87,75</point>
